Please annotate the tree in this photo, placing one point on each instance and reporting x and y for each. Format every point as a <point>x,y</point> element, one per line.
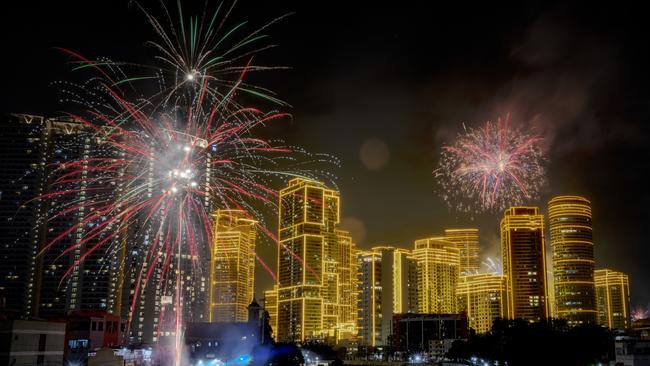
<point>552,342</point>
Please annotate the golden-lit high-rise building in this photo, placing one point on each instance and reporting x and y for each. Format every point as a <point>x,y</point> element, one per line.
<point>573,258</point>
<point>344,289</point>
<point>317,290</point>
<point>467,242</point>
<point>484,298</point>
<point>524,263</point>
<point>370,297</point>
<point>438,268</point>
<point>387,286</point>
<point>612,298</point>
<point>271,306</point>
<point>232,267</point>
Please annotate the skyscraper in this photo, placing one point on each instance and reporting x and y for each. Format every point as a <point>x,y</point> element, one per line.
<point>151,304</point>
<point>36,284</point>
<point>22,178</point>
<point>232,266</point>
<point>573,258</point>
<point>316,266</point>
<point>345,287</point>
<point>387,286</point>
<point>484,298</point>
<point>92,283</point>
<point>466,240</point>
<point>524,263</point>
<point>612,298</point>
<point>438,267</point>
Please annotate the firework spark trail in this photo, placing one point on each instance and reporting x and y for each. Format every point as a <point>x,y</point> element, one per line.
<point>165,160</point>
<point>491,168</point>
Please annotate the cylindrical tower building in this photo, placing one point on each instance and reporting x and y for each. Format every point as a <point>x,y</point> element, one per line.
<point>573,258</point>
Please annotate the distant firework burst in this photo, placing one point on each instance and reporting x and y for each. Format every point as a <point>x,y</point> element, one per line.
<point>491,168</point>
<point>639,313</point>
<point>166,147</point>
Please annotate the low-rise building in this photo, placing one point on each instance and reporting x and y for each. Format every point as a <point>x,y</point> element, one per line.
<point>31,342</point>
<point>632,351</point>
<point>228,342</point>
<point>89,331</point>
<point>641,328</point>
<point>427,333</point>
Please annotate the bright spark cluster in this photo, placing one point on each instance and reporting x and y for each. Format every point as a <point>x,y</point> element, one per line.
<point>491,168</point>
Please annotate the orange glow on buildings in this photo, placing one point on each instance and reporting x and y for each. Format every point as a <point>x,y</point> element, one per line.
<point>573,259</point>
<point>524,263</point>
<point>232,269</point>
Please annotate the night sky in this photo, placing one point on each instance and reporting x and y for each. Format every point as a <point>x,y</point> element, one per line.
<point>382,87</point>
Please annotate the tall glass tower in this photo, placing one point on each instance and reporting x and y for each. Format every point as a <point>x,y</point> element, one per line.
<point>317,291</point>
<point>573,258</point>
<point>524,263</point>
<point>232,266</point>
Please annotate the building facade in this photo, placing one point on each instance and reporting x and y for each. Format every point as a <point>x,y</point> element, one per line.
<point>612,298</point>
<point>573,259</point>
<point>484,298</point>
<point>89,331</point>
<point>387,286</point>
<point>22,179</point>
<point>438,268</point>
<point>467,242</point>
<point>416,333</point>
<point>151,304</point>
<point>42,240</point>
<point>31,342</point>
<point>317,291</point>
<point>232,266</point>
<point>524,263</point>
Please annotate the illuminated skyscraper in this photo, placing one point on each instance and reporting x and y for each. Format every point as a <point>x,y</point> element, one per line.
<point>438,267</point>
<point>271,306</point>
<point>317,295</point>
<point>484,298</point>
<point>466,240</point>
<point>573,259</point>
<point>31,284</point>
<point>524,263</point>
<point>370,296</point>
<point>612,298</point>
<point>232,267</point>
<point>153,312</point>
<point>22,178</point>
<point>387,286</point>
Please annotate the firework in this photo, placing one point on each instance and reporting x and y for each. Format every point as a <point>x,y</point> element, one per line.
<point>156,165</point>
<point>639,313</point>
<point>491,168</point>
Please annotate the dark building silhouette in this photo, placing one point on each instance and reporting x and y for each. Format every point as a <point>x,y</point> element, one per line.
<point>425,332</point>
<point>229,341</point>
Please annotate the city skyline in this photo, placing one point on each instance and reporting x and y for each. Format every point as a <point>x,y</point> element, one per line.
<point>461,240</point>
<point>247,182</point>
<point>595,148</point>
<point>381,104</point>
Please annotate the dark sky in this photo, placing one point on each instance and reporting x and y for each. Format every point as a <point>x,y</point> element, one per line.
<point>399,79</point>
